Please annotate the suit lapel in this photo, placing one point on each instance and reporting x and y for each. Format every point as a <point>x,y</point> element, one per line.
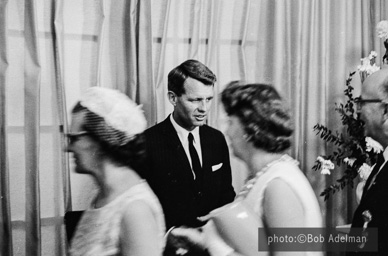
<point>205,148</point>
<point>173,142</point>
<point>381,176</point>
<point>376,168</point>
<point>170,135</point>
<point>207,154</point>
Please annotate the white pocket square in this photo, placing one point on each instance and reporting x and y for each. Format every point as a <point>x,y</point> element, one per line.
<point>216,167</point>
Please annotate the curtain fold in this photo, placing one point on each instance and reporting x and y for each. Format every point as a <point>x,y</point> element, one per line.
<point>58,55</point>
<point>32,79</point>
<point>5,211</point>
<point>144,63</point>
<point>124,53</point>
<point>160,28</point>
<point>211,52</point>
<point>58,43</point>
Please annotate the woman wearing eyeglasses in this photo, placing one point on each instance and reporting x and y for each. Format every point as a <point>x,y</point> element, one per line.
<point>107,143</point>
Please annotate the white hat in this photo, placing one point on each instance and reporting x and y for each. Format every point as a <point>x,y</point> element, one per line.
<point>118,112</point>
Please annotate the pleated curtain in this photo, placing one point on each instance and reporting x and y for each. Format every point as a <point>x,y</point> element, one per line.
<point>5,213</point>
<point>53,50</point>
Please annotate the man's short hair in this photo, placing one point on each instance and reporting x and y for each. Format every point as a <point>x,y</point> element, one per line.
<point>189,68</point>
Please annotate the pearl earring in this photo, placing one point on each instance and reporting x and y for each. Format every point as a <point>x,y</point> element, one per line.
<point>246,137</point>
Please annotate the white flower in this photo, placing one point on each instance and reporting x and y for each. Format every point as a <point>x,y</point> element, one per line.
<point>372,55</point>
<point>325,171</point>
<point>181,251</point>
<point>368,66</point>
<point>372,145</point>
<point>349,161</point>
<point>382,29</point>
<point>373,68</point>
<point>326,165</point>
<point>364,171</point>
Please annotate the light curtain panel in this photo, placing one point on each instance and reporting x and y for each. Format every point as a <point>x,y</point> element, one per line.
<point>53,50</point>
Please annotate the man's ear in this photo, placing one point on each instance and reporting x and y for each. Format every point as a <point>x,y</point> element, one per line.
<point>172,97</point>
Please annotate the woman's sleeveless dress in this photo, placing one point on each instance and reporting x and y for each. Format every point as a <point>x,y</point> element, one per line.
<point>98,230</point>
<point>286,169</point>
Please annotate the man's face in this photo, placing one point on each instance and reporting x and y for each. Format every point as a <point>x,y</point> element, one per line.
<point>375,116</point>
<point>192,107</point>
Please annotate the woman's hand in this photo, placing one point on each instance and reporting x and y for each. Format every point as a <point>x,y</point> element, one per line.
<point>194,237</point>
<point>206,237</point>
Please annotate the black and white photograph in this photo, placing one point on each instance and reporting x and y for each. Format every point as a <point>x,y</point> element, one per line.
<point>193,127</point>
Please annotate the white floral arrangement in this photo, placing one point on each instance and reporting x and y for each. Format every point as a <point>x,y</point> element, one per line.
<point>352,149</point>
<point>368,66</point>
<point>382,32</point>
<point>326,165</point>
<point>382,29</point>
<point>117,109</point>
<point>373,146</point>
<point>364,170</point>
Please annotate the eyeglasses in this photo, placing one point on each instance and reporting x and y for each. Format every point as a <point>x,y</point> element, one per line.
<point>360,102</point>
<point>73,137</point>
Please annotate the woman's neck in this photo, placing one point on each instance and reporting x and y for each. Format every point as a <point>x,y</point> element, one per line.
<point>113,182</point>
<point>258,159</point>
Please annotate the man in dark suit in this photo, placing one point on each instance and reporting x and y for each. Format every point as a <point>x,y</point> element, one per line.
<point>374,201</point>
<point>189,180</point>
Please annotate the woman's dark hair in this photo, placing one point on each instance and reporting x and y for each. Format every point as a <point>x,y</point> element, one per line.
<point>261,111</point>
<point>130,154</point>
<point>189,68</point>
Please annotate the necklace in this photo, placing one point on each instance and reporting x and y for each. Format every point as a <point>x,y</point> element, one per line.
<point>249,184</point>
